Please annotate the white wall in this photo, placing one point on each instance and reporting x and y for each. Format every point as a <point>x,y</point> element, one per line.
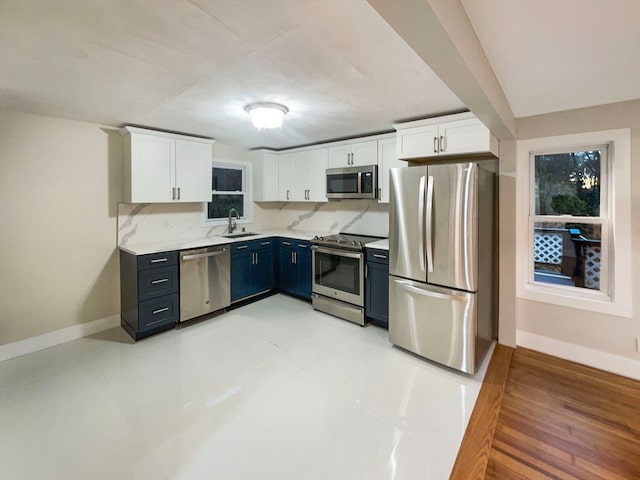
<point>60,183</point>
<point>582,333</point>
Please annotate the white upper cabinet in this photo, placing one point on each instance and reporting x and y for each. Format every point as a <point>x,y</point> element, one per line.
<point>353,154</point>
<point>450,135</point>
<point>387,160</point>
<point>165,168</point>
<point>301,175</point>
<point>265,175</point>
<point>285,193</point>
<point>308,175</point>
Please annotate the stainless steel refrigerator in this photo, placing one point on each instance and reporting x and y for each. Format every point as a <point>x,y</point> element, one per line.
<point>441,262</point>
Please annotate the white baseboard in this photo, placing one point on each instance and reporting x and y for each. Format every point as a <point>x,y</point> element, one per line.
<point>609,362</point>
<point>46,340</point>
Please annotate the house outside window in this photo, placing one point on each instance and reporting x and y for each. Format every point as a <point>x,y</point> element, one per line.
<point>229,189</point>
<point>573,235</point>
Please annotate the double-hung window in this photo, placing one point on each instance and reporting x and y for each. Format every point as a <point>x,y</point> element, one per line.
<point>569,218</point>
<point>228,191</point>
<point>573,223</point>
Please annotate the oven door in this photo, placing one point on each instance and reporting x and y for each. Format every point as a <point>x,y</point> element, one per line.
<point>338,274</point>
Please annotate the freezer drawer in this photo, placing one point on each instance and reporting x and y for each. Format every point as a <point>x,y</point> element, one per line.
<point>436,323</point>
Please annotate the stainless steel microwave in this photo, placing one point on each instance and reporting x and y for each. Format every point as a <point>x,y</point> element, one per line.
<point>352,182</point>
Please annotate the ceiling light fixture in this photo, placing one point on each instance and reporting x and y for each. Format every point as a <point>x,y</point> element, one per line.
<point>266,115</point>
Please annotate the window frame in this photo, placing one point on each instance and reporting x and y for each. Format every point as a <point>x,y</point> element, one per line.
<point>614,296</point>
<point>603,220</point>
<point>245,167</point>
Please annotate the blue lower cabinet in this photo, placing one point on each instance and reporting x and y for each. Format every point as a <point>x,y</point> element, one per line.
<point>295,267</point>
<point>303,261</point>
<point>252,268</point>
<point>377,287</point>
<point>149,286</point>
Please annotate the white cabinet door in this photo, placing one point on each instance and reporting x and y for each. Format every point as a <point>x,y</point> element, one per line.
<point>193,171</point>
<point>464,136</point>
<point>284,176</point>
<point>265,176</point>
<point>387,159</point>
<point>340,156</point>
<point>152,169</point>
<point>299,176</point>
<point>417,142</point>
<point>364,153</point>
<point>316,174</point>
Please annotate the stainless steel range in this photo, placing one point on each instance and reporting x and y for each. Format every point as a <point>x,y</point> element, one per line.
<point>338,275</point>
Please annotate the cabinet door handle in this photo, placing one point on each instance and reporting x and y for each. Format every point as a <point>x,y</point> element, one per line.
<point>292,258</point>
<point>160,310</point>
<point>159,260</point>
<point>155,282</point>
<point>376,255</point>
<point>173,193</point>
<point>256,254</point>
<point>178,193</point>
<point>443,147</point>
<point>287,194</point>
<point>379,193</point>
<point>295,257</point>
<point>366,271</point>
<point>435,144</point>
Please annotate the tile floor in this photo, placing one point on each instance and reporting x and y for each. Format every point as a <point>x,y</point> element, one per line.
<point>273,390</point>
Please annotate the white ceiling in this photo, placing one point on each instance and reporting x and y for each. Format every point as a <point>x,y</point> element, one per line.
<point>553,55</point>
<point>193,65</point>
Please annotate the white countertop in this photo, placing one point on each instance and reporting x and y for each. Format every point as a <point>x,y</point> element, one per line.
<point>167,246</point>
<point>379,244</point>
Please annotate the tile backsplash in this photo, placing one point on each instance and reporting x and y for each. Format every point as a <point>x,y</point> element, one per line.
<point>156,222</point>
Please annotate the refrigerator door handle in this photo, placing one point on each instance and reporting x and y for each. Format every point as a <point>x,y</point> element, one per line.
<point>429,220</point>
<point>421,233</point>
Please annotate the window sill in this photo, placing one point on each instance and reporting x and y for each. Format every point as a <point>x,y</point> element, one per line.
<point>573,297</point>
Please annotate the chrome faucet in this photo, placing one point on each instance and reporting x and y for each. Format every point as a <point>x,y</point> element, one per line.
<point>232,223</point>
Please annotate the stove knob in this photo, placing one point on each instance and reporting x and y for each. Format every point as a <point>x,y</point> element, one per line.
<point>354,243</point>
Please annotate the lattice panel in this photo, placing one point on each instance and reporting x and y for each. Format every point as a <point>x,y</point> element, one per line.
<point>548,248</point>
<point>592,267</point>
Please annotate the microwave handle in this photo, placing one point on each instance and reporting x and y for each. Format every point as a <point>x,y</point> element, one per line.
<point>359,182</point>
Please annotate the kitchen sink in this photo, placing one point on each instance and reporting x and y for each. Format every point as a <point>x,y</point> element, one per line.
<point>240,235</point>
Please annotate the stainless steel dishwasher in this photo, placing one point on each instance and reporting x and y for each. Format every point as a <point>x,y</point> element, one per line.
<point>204,281</point>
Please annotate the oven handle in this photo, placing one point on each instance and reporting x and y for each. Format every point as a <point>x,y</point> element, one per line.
<point>336,251</point>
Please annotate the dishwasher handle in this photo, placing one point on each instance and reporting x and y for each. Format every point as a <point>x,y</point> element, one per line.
<point>203,255</point>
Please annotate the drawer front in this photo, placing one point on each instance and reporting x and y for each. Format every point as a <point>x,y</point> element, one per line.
<point>242,247</point>
<point>158,312</point>
<point>302,244</point>
<point>264,243</point>
<point>156,282</point>
<point>155,260</point>
<point>375,255</point>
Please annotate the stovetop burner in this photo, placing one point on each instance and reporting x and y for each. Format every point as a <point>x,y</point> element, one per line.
<point>345,240</point>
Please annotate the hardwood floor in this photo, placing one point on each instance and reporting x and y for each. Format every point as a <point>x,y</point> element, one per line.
<point>557,420</point>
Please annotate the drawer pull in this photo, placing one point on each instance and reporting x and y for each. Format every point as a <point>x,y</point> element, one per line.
<point>162,280</point>
<point>302,246</point>
<point>242,247</point>
<point>265,243</point>
<point>286,243</point>
<point>160,310</point>
<point>159,260</point>
<point>377,255</point>
<point>157,321</point>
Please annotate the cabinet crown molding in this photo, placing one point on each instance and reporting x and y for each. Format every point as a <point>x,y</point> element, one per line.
<point>127,129</point>
<point>434,120</point>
